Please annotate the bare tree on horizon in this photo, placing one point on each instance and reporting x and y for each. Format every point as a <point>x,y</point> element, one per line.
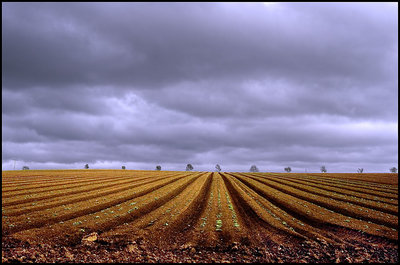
<point>253,168</point>
<point>288,169</point>
<point>189,167</point>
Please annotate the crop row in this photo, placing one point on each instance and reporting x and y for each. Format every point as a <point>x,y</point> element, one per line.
<point>75,196</point>
<point>346,208</point>
<point>340,190</point>
<point>358,185</point>
<point>379,179</point>
<point>335,195</point>
<point>72,190</point>
<point>197,207</point>
<point>52,215</point>
<point>311,211</point>
<point>32,188</point>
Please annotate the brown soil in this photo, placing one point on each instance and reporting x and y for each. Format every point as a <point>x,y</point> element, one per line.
<point>139,216</point>
<point>359,248</point>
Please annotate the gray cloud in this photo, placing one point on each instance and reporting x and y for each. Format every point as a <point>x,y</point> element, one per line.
<point>232,83</point>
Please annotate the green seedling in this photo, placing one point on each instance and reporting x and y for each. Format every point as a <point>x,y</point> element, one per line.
<point>134,208</point>
<point>218,225</point>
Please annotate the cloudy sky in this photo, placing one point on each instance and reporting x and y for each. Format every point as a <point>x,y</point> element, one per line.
<point>142,84</point>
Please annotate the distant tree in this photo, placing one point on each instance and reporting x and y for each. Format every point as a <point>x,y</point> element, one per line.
<point>158,167</point>
<point>360,170</point>
<point>189,167</point>
<point>86,166</point>
<point>218,168</point>
<point>123,167</point>
<point>25,168</point>
<point>393,170</point>
<point>288,169</point>
<point>253,168</point>
<point>323,169</point>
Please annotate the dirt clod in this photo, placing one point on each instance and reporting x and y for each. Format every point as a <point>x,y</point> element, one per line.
<point>90,238</point>
<point>192,251</point>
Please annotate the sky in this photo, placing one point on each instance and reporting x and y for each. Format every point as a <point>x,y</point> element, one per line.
<point>235,84</point>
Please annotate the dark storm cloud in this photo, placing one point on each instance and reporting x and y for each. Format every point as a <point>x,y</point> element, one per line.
<point>72,100</point>
<point>153,44</point>
<point>288,83</point>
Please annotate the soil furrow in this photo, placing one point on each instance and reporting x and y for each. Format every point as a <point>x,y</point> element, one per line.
<point>329,188</point>
<point>73,192</point>
<point>390,192</point>
<point>348,209</point>
<point>91,209</point>
<point>303,209</point>
<point>386,208</point>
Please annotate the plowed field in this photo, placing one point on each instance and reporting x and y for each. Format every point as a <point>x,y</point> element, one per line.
<point>205,210</point>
